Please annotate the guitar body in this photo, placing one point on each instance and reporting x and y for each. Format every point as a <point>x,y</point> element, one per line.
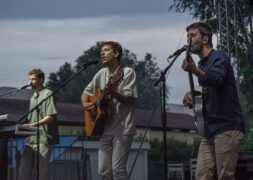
<point>94,121</point>
<point>198,111</point>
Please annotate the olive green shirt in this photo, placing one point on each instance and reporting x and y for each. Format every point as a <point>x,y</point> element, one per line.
<point>49,133</point>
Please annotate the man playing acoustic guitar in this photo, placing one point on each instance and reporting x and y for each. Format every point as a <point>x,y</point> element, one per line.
<point>223,120</point>
<point>119,128</point>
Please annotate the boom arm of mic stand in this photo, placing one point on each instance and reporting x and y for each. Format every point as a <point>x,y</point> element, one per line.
<point>162,77</point>
<point>9,92</point>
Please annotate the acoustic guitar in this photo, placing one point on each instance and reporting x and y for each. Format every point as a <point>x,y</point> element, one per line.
<point>95,120</point>
<point>196,99</point>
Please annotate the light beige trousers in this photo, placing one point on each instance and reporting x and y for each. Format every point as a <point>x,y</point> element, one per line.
<point>112,157</point>
<point>219,153</point>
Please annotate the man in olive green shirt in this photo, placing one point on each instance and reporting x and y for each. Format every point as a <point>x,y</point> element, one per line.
<point>49,131</point>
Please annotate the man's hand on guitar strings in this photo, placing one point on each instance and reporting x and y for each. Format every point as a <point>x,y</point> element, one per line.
<point>187,101</point>
<point>189,65</point>
<point>109,89</point>
<point>89,106</point>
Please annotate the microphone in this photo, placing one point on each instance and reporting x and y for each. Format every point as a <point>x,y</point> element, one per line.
<point>179,51</point>
<point>87,64</point>
<point>26,86</point>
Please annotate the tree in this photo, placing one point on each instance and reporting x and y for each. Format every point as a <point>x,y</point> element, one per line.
<point>147,73</point>
<point>176,150</point>
<point>62,75</point>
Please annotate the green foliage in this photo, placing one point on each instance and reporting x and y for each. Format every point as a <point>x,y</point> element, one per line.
<point>202,10</point>
<point>58,78</point>
<point>147,73</point>
<point>176,150</point>
<point>155,152</point>
<point>248,144</point>
<point>246,84</point>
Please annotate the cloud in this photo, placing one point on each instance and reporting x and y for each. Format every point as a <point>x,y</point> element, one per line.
<point>47,44</point>
<point>65,9</point>
<point>55,58</point>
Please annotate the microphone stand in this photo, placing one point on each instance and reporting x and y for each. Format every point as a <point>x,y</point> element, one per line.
<point>4,143</point>
<point>163,115</point>
<point>38,110</point>
<point>37,143</point>
<point>12,91</point>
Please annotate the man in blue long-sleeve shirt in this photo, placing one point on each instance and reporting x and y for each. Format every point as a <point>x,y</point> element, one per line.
<point>223,120</point>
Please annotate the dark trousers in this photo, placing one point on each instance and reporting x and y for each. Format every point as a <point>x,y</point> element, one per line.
<point>3,158</point>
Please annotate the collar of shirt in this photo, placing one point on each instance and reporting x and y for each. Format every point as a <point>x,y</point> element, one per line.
<point>204,61</point>
<point>114,73</point>
<point>36,95</point>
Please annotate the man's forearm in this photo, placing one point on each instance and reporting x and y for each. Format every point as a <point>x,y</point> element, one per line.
<point>121,97</point>
<point>44,121</point>
<point>199,73</point>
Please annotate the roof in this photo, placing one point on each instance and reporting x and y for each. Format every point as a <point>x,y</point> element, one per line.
<point>178,108</point>
<point>174,120</point>
<point>68,114</point>
<point>73,114</point>
<point>14,93</point>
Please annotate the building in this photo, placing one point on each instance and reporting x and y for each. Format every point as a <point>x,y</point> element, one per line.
<point>180,123</point>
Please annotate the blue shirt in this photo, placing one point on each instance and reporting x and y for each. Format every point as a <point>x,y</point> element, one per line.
<point>221,107</point>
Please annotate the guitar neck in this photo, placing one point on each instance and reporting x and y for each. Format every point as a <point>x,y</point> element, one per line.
<point>190,74</point>
<point>192,87</point>
<point>101,97</point>
<point>111,82</point>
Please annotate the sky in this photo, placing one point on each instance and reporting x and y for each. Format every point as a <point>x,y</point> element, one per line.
<point>45,34</point>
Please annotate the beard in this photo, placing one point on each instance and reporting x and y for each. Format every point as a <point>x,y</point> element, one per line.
<point>197,48</point>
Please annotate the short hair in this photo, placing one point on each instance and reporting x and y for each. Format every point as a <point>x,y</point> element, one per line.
<point>115,46</point>
<point>38,73</point>
<point>204,30</point>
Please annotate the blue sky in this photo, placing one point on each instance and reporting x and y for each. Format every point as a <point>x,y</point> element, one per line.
<point>46,33</point>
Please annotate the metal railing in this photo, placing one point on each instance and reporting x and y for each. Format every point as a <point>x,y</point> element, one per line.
<point>66,163</point>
